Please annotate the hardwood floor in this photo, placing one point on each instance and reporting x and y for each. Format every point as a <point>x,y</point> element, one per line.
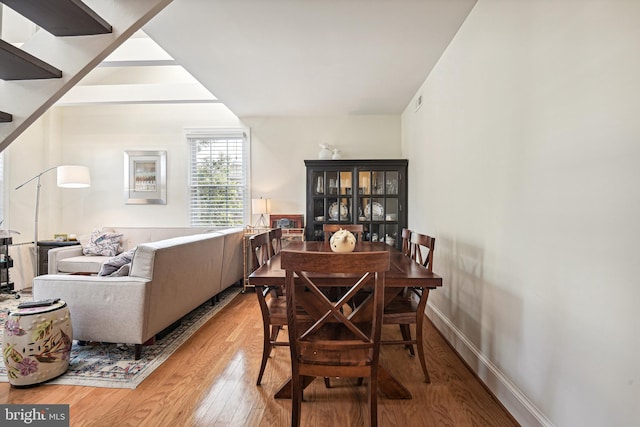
<point>210,381</point>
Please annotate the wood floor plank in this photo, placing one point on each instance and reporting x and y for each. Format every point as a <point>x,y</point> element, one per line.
<point>210,381</point>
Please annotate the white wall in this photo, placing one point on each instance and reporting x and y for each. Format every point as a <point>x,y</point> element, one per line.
<point>528,140</point>
<point>281,144</point>
<point>98,135</point>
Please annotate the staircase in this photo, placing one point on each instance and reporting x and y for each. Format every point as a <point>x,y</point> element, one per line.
<point>77,36</point>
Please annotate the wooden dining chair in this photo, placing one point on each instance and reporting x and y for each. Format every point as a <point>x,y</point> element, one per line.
<point>275,240</point>
<point>406,242</point>
<point>271,300</point>
<point>407,308</point>
<point>329,229</point>
<point>324,341</point>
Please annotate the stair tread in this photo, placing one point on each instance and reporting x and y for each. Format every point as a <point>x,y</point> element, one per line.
<point>61,17</point>
<point>5,117</point>
<point>16,64</point>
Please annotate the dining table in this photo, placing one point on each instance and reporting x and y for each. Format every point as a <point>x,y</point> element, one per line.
<point>403,273</point>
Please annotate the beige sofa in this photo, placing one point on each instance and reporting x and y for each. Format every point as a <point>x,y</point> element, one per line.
<point>70,259</point>
<point>167,279</point>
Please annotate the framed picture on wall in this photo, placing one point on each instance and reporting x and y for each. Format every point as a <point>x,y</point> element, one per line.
<point>145,177</point>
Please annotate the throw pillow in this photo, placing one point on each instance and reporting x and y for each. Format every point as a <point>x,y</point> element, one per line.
<point>113,265</point>
<point>84,239</point>
<point>122,271</point>
<point>102,243</point>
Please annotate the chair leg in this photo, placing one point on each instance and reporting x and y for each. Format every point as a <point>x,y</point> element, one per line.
<point>327,383</point>
<point>373,399</point>
<point>266,351</point>
<point>420,345</point>
<point>296,400</point>
<point>406,335</point>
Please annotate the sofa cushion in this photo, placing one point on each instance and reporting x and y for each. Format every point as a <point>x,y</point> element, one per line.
<point>81,264</point>
<point>102,243</point>
<point>114,264</point>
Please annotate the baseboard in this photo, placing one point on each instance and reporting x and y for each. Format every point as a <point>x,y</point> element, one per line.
<point>514,401</point>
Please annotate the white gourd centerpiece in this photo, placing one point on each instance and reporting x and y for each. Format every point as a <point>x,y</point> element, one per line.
<point>343,241</point>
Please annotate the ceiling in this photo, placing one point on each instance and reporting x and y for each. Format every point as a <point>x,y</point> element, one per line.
<point>309,57</point>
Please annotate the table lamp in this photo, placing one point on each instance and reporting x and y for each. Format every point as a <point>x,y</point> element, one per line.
<point>260,206</point>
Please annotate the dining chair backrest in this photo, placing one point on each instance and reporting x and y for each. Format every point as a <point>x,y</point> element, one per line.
<point>367,268</point>
<point>406,242</point>
<point>260,249</point>
<point>423,247</point>
<point>329,229</point>
<point>275,240</point>
<point>324,338</point>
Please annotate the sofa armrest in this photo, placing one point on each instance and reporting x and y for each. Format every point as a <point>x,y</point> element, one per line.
<point>58,254</point>
<point>110,309</point>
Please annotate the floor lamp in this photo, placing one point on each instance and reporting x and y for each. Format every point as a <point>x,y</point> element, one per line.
<point>68,177</point>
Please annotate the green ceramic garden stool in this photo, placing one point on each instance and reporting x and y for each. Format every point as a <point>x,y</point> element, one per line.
<point>37,343</point>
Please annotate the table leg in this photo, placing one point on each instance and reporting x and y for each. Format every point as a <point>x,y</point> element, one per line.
<point>285,391</point>
<point>391,387</point>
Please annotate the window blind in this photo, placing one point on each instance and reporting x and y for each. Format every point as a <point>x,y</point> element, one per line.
<point>218,178</point>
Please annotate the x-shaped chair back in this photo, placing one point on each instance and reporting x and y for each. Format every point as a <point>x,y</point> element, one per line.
<point>305,296</point>
<point>422,250</point>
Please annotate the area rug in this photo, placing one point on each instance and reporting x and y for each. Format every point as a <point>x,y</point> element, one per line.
<point>113,365</point>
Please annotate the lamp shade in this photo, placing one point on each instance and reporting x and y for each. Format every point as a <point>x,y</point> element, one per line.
<point>73,177</point>
<point>259,206</point>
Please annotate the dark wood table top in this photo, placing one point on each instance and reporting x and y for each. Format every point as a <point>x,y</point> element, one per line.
<point>402,273</point>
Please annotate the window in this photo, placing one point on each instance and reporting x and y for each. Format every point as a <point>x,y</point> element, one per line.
<point>218,178</point>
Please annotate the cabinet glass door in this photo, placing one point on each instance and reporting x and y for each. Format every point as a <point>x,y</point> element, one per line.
<point>378,205</point>
<point>332,198</point>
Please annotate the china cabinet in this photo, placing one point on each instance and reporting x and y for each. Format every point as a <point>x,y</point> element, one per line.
<point>368,192</point>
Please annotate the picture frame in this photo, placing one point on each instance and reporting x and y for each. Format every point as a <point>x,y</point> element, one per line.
<point>145,177</point>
